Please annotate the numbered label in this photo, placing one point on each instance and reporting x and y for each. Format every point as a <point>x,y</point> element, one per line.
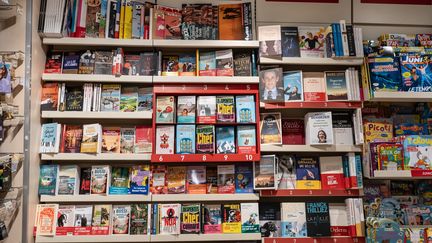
<point>225,157</point>
<point>161,158</point>
<point>205,87</point>
<point>204,158</point>
<point>182,157</point>
<point>248,87</point>
<point>330,192</point>
<point>249,157</point>
<point>310,192</point>
<point>183,87</point>
<point>226,87</point>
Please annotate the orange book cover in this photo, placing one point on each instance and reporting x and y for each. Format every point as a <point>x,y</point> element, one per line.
<point>196,180</point>
<point>230,22</point>
<point>49,99</point>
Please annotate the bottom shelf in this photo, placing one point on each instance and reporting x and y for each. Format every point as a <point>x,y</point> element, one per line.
<point>93,238</point>
<point>206,237</point>
<point>315,240</point>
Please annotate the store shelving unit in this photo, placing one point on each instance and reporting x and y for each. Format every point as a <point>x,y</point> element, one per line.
<point>139,115</point>
<point>310,148</point>
<point>335,239</point>
<point>94,198</point>
<point>95,157</point>
<point>313,61</point>
<point>237,197</point>
<point>402,97</point>
<point>93,238</point>
<point>99,78</point>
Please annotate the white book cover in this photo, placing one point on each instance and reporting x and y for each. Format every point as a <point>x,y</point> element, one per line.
<point>319,128</point>
<point>100,176</point>
<point>68,180</point>
<point>46,217</point>
<point>65,220</point>
<point>249,218</point>
<point>314,86</point>
<point>270,41</point>
<point>164,140</point>
<point>121,218</point>
<point>50,138</point>
<point>186,109</point>
<point>170,219</point>
<point>331,169</point>
<point>338,220</point>
<point>342,25</point>
<point>293,219</point>
<point>206,109</point>
<point>83,215</point>
<point>311,41</point>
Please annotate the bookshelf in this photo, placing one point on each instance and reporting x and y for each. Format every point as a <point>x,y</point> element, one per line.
<point>99,78</point>
<point>402,97</point>
<point>336,239</point>
<point>138,115</point>
<point>311,193</point>
<point>95,157</point>
<point>206,237</point>
<point>240,197</point>
<point>93,238</point>
<point>94,198</point>
<point>205,80</point>
<point>310,148</point>
<point>313,61</point>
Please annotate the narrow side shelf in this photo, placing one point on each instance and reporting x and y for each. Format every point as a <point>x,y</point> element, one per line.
<point>93,238</point>
<point>95,157</point>
<point>402,97</point>
<point>402,174</point>
<point>206,237</point>
<point>204,197</point>
<point>311,148</point>
<point>99,78</point>
<point>67,41</point>
<point>205,44</point>
<point>139,115</point>
<point>313,61</point>
<point>94,198</point>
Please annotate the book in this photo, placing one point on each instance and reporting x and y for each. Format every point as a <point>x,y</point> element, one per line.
<point>415,73</point>
<point>187,65</point>
<point>307,173</point>
<point>207,63</point>
<point>332,176</point>
<point>49,98</point>
<point>293,86</point>
<point>169,219</point>
<point>131,65</point>
<point>176,179</point>
<point>8,73</point>
<point>71,139</point>
<point>170,65</point>
<point>271,129</point>
<point>205,139</point>
<point>185,139</point>
<point>342,128</point>
<point>70,63</point>
<point>129,98</point>
<point>85,181</point>
<point>338,220</point>
<point>190,219</point>
<point>319,128</point>
<point>270,219</point>
<point>318,219</point>
<point>384,74</point>
<point>271,85</point>
<point>46,215</point>
<point>119,181</point>
<point>111,140</point>
<point>226,178</point>
<point>139,223</point>
<point>225,109</point>
<point>212,218</point>
<point>206,109</point>
<point>336,86</point>
<point>244,178</point>
<point>293,131</point>
<point>224,63</point>
<point>143,139</point>
<point>212,179</point>
<point>390,156</point>
<point>48,179</point>
<point>92,137</point>
<point>148,61</point>
<point>264,172</point>
<point>417,153</point>
<point>74,99</point>
<point>198,21</point>
<point>101,221</point>
<point>86,64</point>
<point>121,217</point>
<point>100,177</point>
<point>231,223</point>
<point>65,220</point>
<point>242,63</point>
<point>225,140</point>
<point>67,180</point>
<point>83,219</point>
<point>50,138</point>
<point>311,41</point>
<point>230,22</point>
<point>145,99</point>
<point>53,63</point>
<point>196,180</point>
<point>378,132</point>
<point>269,38</point>
<point>245,108</point>
<point>246,139</point>
<point>158,182</point>
<point>127,140</point>
<point>249,218</point>
<point>165,109</point>
<point>110,97</point>
<point>93,19</point>
<point>314,86</point>
<point>290,42</point>
<point>139,179</point>
<point>186,109</point>
<point>164,140</point>
<point>293,220</point>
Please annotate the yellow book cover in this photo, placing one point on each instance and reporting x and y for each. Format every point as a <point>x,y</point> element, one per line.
<point>308,184</point>
<point>378,132</point>
<point>91,138</point>
<point>307,173</point>
<point>231,223</point>
<point>127,29</point>
<point>122,17</point>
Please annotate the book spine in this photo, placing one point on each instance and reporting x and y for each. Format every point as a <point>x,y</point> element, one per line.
<point>254,63</point>
<point>339,37</point>
<point>122,18</point>
<point>117,20</point>
<point>81,27</point>
<point>84,108</point>
<point>148,30</point>
<point>142,22</point>
<point>352,170</point>
<point>247,20</point>
<point>128,18</point>
<point>103,18</point>
<point>346,172</point>
<point>350,216</point>
<point>351,41</point>
<point>342,25</point>
<point>335,39</point>
<point>63,137</point>
<point>359,170</point>
<point>358,36</point>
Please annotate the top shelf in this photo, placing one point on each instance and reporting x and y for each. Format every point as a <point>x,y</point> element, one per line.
<point>353,61</point>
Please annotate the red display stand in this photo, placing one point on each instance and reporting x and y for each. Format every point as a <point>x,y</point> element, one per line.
<point>315,105</point>
<point>310,193</point>
<point>315,240</point>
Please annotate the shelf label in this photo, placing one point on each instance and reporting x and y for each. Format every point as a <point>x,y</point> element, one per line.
<point>225,157</point>
<point>160,158</point>
<point>421,173</point>
<point>182,157</point>
<point>248,157</point>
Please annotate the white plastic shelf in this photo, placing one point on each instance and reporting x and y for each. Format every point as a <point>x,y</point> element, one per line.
<point>204,197</point>
<point>206,237</point>
<point>402,96</point>
<point>139,115</point>
<point>310,148</point>
<point>93,238</point>
<point>94,198</point>
<point>313,61</point>
<point>99,78</point>
<point>95,157</point>
<point>85,42</point>
<point>402,174</point>
<point>206,79</point>
<point>205,44</point>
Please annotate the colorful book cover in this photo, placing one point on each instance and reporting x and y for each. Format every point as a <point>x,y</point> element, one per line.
<point>93,19</point>
<point>186,109</point>
<point>249,218</point>
<point>158,182</point>
<point>48,179</point>
<point>230,22</point>
<point>207,63</point>
<point>332,176</point>
<point>314,86</point>
<point>205,139</point>
<point>293,131</point>
<point>67,180</point>
<point>226,178</point>
<point>337,89</point>
<point>101,220</point>
<point>212,218</point>
<point>246,139</point>
<point>127,140</point>
<point>86,65</point>
<point>83,219</point>
<point>416,73</point>
<point>270,219</point>
<point>390,156</point>
<point>169,219</point>
<point>271,85</point>
<point>121,217</point>
<point>170,65</point>
<point>225,109</point>
<point>46,215</point>
<point>196,180</point>
<point>111,140</point>
<point>70,63</point>
<point>176,179</point>
<point>403,129</point>
<point>139,219</point>
<point>417,152</point>
<point>311,41</point>
<point>71,139</point>
<point>224,63</point>
<point>85,181</point>
<point>190,219</point>
<point>265,173</point>
<point>145,99</point>
<point>103,62</point>
<point>244,178</point>
<point>139,179</point>
<point>293,86</point>
<point>290,42</point>
<point>173,21</point>
<point>65,220</point>
<point>231,223</point>
<point>131,66</point>
<point>164,140</point>
<point>271,128</point>
<point>319,128</point>
<point>424,40</point>
<point>110,97</point>
<point>212,179</point>
<point>129,98</point>
<point>165,109</point>
<point>293,220</point>
<point>143,139</point>
<point>307,173</point>
<point>242,63</point>
<point>187,65</point>
<point>318,219</point>
<point>225,140</point>
<point>99,179</point>
<point>49,98</point>
<point>74,99</point>
<point>245,109</point>
<point>119,181</point>
<point>206,109</point>
<point>53,63</point>
<point>185,139</point>
<point>384,74</point>
<point>378,132</point>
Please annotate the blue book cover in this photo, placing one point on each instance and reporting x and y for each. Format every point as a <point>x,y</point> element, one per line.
<point>307,173</point>
<point>50,135</point>
<point>335,40</point>
<point>225,140</point>
<point>339,37</point>
<point>417,152</point>
<point>145,99</point>
<point>187,65</point>
<point>185,139</point>
<point>416,73</point>
<point>244,178</point>
<point>293,86</point>
<point>359,170</point>
<point>139,179</point>
<point>186,109</point>
<point>48,179</point>
<point>336,84</point>
<point>5,78</point>
<point>384,74</point>
<point>71,63</point>
<point>119,181</point>
<point>290,42</point>
<point>246,139</point>
<point>245,109</point>
<point>411,129</point>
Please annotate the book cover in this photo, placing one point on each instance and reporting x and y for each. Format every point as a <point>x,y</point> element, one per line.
<point>70,63</point>
<point>187,64</point>
<point>129,98</point>
<point>46,215</point>
<point>286,175</point>
<point>230,22</point>
<point>410,129</point>
<point>390,156</point>
<point>139,179</point>
<point>293,131</point>
<point>143,139</point>
<point>206,111</point>
<point>416,72</point>
<point>293,86</point>
<point>270,219</point>
<point>271,129</point>
<point>225,109</point>
<point>207,63</point>
<point>224,63</point>
<point>317,219</point>
<point>110,97</point>
<point>190,219</point>
<point>212,218</point>
<point>83,219</point>
<point>424,40</point>
<point>86,65</point>
<point>343,128</point>
<point>293,220</point>
<point>265,173</point>
<point>101,221</point>
<point>244,178</point>
<point>111,140</point>
<point>53,63</point>
<point>271,85</point>
<point>139,223</point>
<point>172,22</point>
<point>417,152</point>
<point>212,179</point>
<point>164,140</point>
<point>49,98</point>
<point>319,128</point>
<point>336,83</point>
<point>242,63</point>
<point>158,182</point>
<point>176,179</point>
<point>131,65</point>
<point>165,109</point>
<point>205,139</point>
<point>170,219</point>
<point>225,140</point>
<point>314,86</point>
<point>103,18</point>
<point>7,74</point>
<point>196,180</point>
<point>332,176</point>
<point>198,21</point>
<point>246,139</point>
<point>119,181</point>
<point>67,180</point>
<point>249,218</point>
<point>170,65</point>
<point>290,42</point>
<point>231,223</point>
<point>65,220</point>
<point>127,140</point>
<point>48,179</point>
<point>245,108</point>
<point>311,41</point>
<point>99,179</point>
<point>185,139</point>
<point>307,173</point>
<point>148,63</point>
<point>145,99</point>
<point>85,181</point>
<point>71,139</point>
<point>378,132</point>
<point>384,74</point>
<point>93,19</point>
<point>121,217</point>
<point>186,109</point>
<point>270,41</point>
<point>74,99</point>
<point>91,138</point>
<point>226,178</point>
<point>338,220</point>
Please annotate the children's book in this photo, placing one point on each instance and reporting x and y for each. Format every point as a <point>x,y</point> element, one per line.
<point>139,223</point>
<point>100,177</point>
<point>403,129</point>
<point>417,153</point>
<point>416,73</point>
<point>50,138</point>
<point>212,218</point>
<point>68,180</point>
<point>378,132</point>
<point>265,173</point>
<point>164,140</point>
<point>65,220</point>
<point>145,99</point>
<point>46,216</point>
<point>293,86</point>
<point>85,181</point>
<point>83,219</point>
<point>271,128</point>
<point>127,140</point>
<point>390,156</point>
<point>110,97</point>
<point>308,174</point>
<point>169,219</point>
<point>384,74</point>
<point>165,109</point>
<point>101,220</point>
<point>71,139</point>
<point>245,109</point>
<point>225,109</point>
<point>231,223</point>
<point>143,139</point>
<point>139,179</point>
<point>186,109</point>
<point>225,140</point>
<point>158,182</point>
<point>207,63</point>
<point>176,179</point>
<point>311,41</point>
<point>92,138</point>
<point>226,178</point>
<point>185,139</point>
<point>196,180</point>
<point>111,140</point>
<point>190,219</point>
<point>206,109</point>
<point>224,63</point>
<point>293,220</point>
<point>170,65</point>
<point>119,181</point>
<point>129,99</point>
<point>205,139</point>
<point>48,179</point>
<point>293,131</point>
<point>337,88</point>
<point>244,178</point>
<point>246,139</point>
<point>318,219</point>
<point>121,217</point>
<point>187,65</point>
<point>249,218</point>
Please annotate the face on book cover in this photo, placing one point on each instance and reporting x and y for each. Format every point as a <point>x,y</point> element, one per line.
<point>270,79</point>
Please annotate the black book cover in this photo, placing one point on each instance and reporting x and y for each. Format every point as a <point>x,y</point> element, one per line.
<point>290,43</point>
<point>247,21</point>
<point>270,219</point>
<point>71,63</point>
<point>103,62</point>
<point>351,41</point>
<point>74,99</point>
<point>317,219</point>
<point>342,119</point>
<point>85,177</point>
<point>242,63</point>
<point>148,62</point>
<point>112,19</point>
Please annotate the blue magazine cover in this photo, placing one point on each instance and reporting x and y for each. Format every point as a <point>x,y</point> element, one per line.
<point>225,140</point>
<point>293,86</point>
<point>244,178</point>
<point>48,179</point>
<point>384,74</point>
<point>416,73</point>
<point>185,139</point>
<point>5,78</point>
<point>245,109</point>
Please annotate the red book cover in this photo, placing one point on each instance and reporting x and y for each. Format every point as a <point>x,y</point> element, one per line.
<point>143,139</point>
<point>71,139</point>
<point>332,176</point>
<point>293,131</point>
<point>314,86</point>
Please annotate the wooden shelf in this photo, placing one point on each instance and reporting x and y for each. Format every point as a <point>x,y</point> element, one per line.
<point>204,197</point>
<point>93,238</point>
<point>206,237</point>
<point>85,42</point>
<point>139,115</point>
<point>205,44</point>
<point>95,157</point>
<point>313,61</point>
<point>311,193</point>
<point>206,79</point>
<point>310,148</point>
<point>314,105</point>
<point>402,97</point>
<point>97,78</point>
<point>402,174</point>
<point>200,158</point>
<point>335,239</point>
<point>95,198</point>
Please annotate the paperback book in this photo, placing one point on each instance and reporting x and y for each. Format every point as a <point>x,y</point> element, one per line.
<point>318,219</point>
<point>129,98</point>
<point>45,219</point>
<point>270,41</point>
<point>48,179</point>
<point>145,99</point>
<point>417,152</point>
<point>164,140</point>
<point>170,65</point>
<point>187,65</point>
<point>314,86</point>
<point>111,140</point>
<point>100,177</point>
<point>290,42</point>
<point>186,109</point>
<point>143,139</point>
<point>293,86</point>
<point>101,220</point>
<point>212,179</point>
<point>49,98</point>
<point>176,179</point>
<point>265,173</point>
<point>92,137</point>
<point>249,218</point>
<point>127,140</point>
<point>185,139</point>
<point>226,178</point>
<point>225,140</point>
<point>196,180</point>
<point>205,139</point>
<point>119,181</point>
<point>71,139</point>
<point>212,218</point>
<point>85,181</point>
<point>190,219</point>
<point>110,97</point>
<point>337,88</point>
<point>158,182</point>
<point>65,220</point>
<point>332,175</point>
<point>308,174</point>
<point>293,131</point>
<point>67,180</point>
<point>74,99</point>
<point>271,85</point>
<point>206,109</point>
<point>225,109</point>
<point>139,179</point>
<point>50,138</point>
<point>121,217</point>
<point>246,139</point>
<point>139,223</point>
<point>165,109</point>
<point>242,63</point>
<point>270,219</point>
<point>224,63</point>
<point>319,128</point>
<point>83,219</point>
<point>170,219</point>
<point>311,41</point>
<point>244,178</point>
<point>207,63</point>
<point>231,223</point>
<point>271,129</point>
<point>245,109</point>
<point>293,220</point>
